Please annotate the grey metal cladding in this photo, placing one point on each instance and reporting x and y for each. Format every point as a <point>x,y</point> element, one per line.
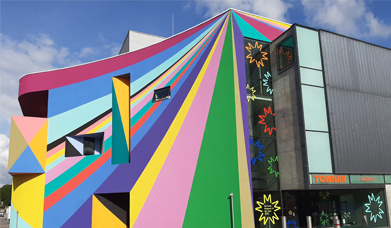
<point>358,89</point>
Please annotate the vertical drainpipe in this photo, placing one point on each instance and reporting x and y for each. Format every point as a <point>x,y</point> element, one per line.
<point>232,209</point>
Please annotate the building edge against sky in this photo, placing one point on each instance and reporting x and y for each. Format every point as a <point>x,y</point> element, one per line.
<point>288,119</point>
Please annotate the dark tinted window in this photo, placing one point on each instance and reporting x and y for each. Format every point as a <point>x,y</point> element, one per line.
<point>162,94</point>
<point>285,54</point>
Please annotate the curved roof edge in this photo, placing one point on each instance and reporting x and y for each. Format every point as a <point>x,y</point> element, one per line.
<point>110,57</point>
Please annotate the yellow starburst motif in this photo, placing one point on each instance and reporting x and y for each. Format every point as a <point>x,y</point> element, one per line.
<point>324,195</point>
<point>252,91</point>
<point>268,209</point>
<point>256,54</point>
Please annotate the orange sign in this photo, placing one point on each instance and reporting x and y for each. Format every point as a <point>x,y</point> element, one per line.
<point>330,179</point>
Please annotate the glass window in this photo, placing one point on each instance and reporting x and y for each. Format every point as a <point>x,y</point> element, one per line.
<point>311,77</point>
<point>352,207</point>
<point>314,106</point>
<point>267,209</point>
<point>285,54</point>
<point>257,58</point>
<point>261,117</point>
<point>308,48</point>
<point>83,145</point>
<point>264,160</point>
<point>162,94</point>
<point>89,146</point>
<point>318,150</point>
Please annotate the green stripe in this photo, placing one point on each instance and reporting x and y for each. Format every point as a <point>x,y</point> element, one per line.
<point>145,109</point>
<point>216,174</point>
<point>69,174</point>
<point>108,143</point>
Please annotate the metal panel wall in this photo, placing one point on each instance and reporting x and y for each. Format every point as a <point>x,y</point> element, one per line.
<point>358,87</point>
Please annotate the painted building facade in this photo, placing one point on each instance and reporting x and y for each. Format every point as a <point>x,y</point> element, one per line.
<point>225,124</point>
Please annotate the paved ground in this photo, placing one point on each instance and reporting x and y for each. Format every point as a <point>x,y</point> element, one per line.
<point>3,223</point>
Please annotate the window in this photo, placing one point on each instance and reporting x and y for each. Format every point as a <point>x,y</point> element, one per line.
<point>89,146</point>
<point>162,94</point>
<point>285,54</point>
<point>84,145</point>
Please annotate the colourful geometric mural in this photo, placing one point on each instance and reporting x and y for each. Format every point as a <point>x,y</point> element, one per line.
<point>161,163</point>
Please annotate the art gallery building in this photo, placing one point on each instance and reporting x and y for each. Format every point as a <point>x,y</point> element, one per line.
<point>236,122</point>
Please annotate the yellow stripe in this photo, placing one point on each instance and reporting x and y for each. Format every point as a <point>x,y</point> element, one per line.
<point>143,186</point>
<point>55,156</point>
<point>244,180</point>
<point>276,22</point>
<point>161,78</point>
<point>97,128</point>
<point>122,93</point>
<point>170,70</point>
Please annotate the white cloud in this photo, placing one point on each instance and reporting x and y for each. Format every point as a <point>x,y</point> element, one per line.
<point>5,178</point>
<point>275,9</point>
<point>86,52</point>
<point>351,18</point>
<point>37,53</point>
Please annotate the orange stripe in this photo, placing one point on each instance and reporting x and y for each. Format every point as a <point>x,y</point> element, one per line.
<point>141,121</point>
<point>76,181</point>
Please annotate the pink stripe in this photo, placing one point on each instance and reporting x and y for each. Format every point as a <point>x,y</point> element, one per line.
<point>107,132</point>
<point>274,24</point>
<point>55,150</point>
<point>58,78</point>
<point>147,98</point>
<point>61,168</point>
<point>265,29</point>
<point>173,185</point>
<point>85,131</point>
<point>268,22</point>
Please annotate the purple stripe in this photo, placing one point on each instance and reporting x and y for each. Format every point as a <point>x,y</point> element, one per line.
<point>240,61</point>
<point>145,149</point>
<point>79,218</point>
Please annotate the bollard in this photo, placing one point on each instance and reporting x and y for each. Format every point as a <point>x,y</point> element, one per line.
<point>283,220</point>
<point>309,222</point>
<point>337,223</point>
<point>365,221</point>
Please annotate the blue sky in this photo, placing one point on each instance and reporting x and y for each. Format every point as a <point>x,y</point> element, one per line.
<point>42,35</point>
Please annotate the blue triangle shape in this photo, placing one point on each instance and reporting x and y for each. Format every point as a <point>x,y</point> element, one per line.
<point>27,163</point>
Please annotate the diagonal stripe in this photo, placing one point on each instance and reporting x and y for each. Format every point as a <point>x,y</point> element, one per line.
<point>144,184</point>
<point>174,190</point>
<point>57,155</point>
<point>57,183</point>
<point>244,180</point>
<point>61,168</point>
<point>172,82</point>
<point>74,182</point>
<point>282,25</point>
<point>171,72</point>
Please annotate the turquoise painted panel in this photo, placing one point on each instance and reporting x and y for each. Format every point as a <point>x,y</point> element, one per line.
<point>66,122</point>
<point>21,222</point>
<point>69,174</point>
<point>55,163</point>
<point>318,151</point>
<point>249,31</point>
<point>308,48</point>
<point>151,75</point>
<point>120,152</point>
<point>311,77</point>
<point>314,105</point>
